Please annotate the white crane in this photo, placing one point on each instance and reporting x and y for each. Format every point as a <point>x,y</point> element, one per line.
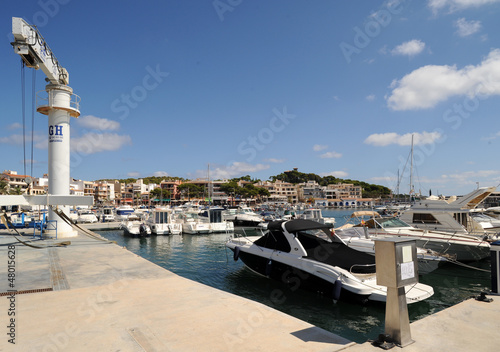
<point>60,105</point>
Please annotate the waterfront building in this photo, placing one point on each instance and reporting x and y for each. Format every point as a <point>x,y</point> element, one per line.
<point>15,181</point>
<point>281,192</point>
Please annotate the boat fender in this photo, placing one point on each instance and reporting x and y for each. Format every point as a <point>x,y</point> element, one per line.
<point>236,254</point>
<point>337,287</point>
<point>269,267</point>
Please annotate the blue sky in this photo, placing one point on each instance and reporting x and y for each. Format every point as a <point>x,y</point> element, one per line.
<point>259,87</point>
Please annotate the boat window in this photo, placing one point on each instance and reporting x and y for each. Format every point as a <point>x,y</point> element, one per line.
<point>424,218</point>
<point>317,233</point>
<point>461,218</point>
<point>274,239</point>
<point>392,222</point>
<point>215,216</point>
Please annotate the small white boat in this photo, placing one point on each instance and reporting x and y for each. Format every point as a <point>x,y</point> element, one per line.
<point>315,214</point>
<point>215,220</point>
<point>124,212</point>
<point>192,224</point>
<point>106,214</point>
<point>86,216</point>
<point>244,216</point>
<point>162,222</point>
<point>135,228</point>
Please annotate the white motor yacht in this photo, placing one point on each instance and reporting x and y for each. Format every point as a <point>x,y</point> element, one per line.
<point>192,224</point>
<point>244,216</point>
<point>451,216</point>
<point>161,221</point>
<point>123,212</point>
<point>307,255</point>
<point>460,246</point>
<point>135,227</point>
<point>86,216</point>
<point>216,221</point>
<point>316,215</point>
<point>357,236</point>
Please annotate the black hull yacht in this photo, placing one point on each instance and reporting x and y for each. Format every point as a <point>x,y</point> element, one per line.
<point>306,254</point>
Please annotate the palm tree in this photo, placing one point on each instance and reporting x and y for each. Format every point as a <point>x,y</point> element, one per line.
<point>16,190</point>
<point>4,186</point>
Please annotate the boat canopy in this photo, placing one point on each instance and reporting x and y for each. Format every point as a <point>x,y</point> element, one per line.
<point>358,214</point>
<point>299,225</point>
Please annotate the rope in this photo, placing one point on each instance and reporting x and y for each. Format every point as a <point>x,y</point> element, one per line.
<point>85,231</point>
<point>467,266</point>
<point>5,220</point>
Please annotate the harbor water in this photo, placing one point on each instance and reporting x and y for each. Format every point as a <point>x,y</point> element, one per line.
<point>205,259</point>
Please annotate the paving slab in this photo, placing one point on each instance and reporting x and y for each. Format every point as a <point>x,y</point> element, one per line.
<point>105,298</point>
<point>468,326</point>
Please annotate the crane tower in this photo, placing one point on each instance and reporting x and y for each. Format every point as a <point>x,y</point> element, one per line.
<point>60,104</point>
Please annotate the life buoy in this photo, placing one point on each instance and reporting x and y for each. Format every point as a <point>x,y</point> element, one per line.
<point>236,254</point>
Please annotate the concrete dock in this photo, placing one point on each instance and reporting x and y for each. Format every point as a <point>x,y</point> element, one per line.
<point>93,295</point>
<point>96,296</point>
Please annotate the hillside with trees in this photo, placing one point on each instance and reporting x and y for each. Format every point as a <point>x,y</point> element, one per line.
<point>294,177</point>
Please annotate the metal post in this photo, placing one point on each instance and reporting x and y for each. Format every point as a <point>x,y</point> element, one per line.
<point>495,267</point>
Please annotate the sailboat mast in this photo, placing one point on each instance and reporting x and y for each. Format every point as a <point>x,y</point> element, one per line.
<point>209,186</point>
<point>411,168</point>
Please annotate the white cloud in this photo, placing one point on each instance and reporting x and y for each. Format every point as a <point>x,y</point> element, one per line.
<point>410,48</point>
<point>466,28</point>
<point>330,155</point>
<point>160,173</point>
<point>91,143</point>
<point>494,136</point>
<point>487,177</point>
<point>14,126</point>
<point>370,97</point>
<point>318,147</point>
<point>97,123</point>
<point>455,5</point>
<point>17,139</point>
<point>385,139</point>
<point>338,174</point>
<point>133,174</point>
<point>428,85</point>
<point>232,170</point>
<point>274,161</point>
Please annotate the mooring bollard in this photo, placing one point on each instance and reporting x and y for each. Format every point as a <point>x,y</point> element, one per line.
<point>495,266</point>
<point>396,261</point>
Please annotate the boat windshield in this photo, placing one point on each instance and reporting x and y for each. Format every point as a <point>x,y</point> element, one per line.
<point>318,233</point>
<point>392,222</point>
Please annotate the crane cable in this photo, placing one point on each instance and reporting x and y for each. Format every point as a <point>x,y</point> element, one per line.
<point>33,103</point>
<point>23,108</point>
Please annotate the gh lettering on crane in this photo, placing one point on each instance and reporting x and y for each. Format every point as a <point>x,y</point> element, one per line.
<point>55,133</point>
<point>55,130</point>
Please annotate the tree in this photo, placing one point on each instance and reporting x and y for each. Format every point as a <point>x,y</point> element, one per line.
<point>4,186</point>
<point>190,190</point>
<point>263,192</point>
<point>160,194</point>
<point>16,190</point>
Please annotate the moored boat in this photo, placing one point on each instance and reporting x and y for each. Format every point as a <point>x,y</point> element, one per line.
<point>306,254</point>
<point>462,247</point>
<point>161,222</point>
